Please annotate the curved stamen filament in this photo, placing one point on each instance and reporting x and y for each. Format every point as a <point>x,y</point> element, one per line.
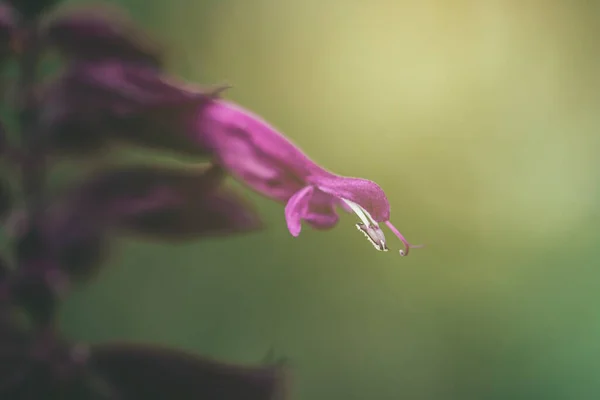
<point>363,214</point>
<point>371,229</point>
<point>407,245</point>
<point>368,227</point>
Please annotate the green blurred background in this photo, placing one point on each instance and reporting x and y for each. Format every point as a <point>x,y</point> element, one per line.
<point>480,120</point>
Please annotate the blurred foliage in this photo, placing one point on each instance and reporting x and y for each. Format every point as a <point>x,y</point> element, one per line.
<point>480,121</point>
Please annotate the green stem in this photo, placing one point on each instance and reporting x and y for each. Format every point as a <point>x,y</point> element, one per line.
<point>32,167</point>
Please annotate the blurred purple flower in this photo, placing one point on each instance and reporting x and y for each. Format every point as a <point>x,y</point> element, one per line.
<point>159,201</point>
<point>257,154</point>
<point>141,371</point>
<point>99,32</point>
<point>93,104</point>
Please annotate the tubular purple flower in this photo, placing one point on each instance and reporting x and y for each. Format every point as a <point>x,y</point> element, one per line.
<point>261,157</point>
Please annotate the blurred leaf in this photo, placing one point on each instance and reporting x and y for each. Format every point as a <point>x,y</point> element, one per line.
<point>37,283</point>
<point>8,26</point>
<point>81,255</point>
<point>271,358</point>
<point>4,273</point>
<point>165,202</point>
<point>37,292</point>
<point>14,367</point>
<point>99,32</point>
<point>4,143</point>
<point>147,372</point>
<point>30,245</point>
<point>92,104</point>
<point>6,199</point>
<point>39,365</point>
<point>31,8</point>
<point>59,242</point>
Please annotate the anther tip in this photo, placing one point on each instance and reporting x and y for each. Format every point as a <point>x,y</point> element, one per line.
<point>404,253</point>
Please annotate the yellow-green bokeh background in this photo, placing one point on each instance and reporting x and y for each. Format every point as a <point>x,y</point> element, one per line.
<point>480,120</point>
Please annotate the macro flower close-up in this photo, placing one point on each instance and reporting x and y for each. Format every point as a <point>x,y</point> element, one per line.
<point>265,160</point>
<point>182,183</point>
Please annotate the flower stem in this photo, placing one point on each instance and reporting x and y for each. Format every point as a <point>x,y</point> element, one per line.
<point>32,165</point>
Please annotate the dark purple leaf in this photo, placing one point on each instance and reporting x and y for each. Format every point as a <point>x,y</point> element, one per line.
<point>91,104</point>
<point>164,202</point>
<point>148,372</point>
<point>99,33</point>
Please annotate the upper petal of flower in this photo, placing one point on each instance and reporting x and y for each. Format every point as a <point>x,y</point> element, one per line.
<point>363,192</point>
<point>253,150</point>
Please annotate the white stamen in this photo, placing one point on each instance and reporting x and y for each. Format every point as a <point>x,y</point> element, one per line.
<point>369,227</point>
<point>374,235</point>
<point>363,214</point>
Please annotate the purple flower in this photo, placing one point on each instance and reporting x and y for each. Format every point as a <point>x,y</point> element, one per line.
<point>257,154</point>
<point>99,32</point>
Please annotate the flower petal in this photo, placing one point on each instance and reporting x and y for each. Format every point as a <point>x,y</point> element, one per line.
<point>321,211</point>
<point>363,192</point>
<point>314,207</point>
<point>297,208</point>
<point>254,151</point>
